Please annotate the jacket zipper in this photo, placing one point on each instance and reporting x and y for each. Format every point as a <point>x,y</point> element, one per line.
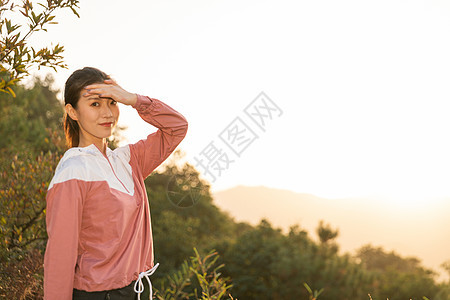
<point>116,174</point>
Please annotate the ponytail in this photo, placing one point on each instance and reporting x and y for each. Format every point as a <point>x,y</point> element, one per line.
<point>72,131</point>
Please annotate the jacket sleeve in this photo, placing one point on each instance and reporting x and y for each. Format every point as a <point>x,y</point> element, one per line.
<point>172,128</point>
<point>63,220</point>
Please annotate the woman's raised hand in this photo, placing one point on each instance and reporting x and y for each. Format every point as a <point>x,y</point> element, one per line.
<point>110,89</point>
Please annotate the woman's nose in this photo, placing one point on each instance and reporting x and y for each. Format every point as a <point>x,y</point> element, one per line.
<point>106,112</point>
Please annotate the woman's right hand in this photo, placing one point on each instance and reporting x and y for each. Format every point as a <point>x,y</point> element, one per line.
<point>110,89</point>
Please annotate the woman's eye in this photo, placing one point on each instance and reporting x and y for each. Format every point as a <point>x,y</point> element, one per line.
<point>95,104</point>
<point>113,102</point>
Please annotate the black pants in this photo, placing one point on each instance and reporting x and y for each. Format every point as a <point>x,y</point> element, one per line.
<point>125,293</point>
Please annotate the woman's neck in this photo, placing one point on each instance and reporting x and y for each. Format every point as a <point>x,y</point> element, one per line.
<point>99,143</point>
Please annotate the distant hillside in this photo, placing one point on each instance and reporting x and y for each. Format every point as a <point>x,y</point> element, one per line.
<point>423,233</point>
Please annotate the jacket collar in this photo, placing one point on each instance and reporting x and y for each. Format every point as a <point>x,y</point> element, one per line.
<point>93,149</point>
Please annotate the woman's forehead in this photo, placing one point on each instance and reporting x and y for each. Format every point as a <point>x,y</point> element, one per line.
<point>95,97</point>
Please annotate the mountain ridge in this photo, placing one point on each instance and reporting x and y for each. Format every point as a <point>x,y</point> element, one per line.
<point>410,232</point>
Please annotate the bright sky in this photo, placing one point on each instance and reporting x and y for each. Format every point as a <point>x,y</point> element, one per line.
<point>363,85</point>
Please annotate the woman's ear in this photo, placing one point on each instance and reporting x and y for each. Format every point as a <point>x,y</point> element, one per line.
<point>71,112</point>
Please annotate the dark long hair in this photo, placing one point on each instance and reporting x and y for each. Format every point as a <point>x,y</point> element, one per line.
<point>72,92</point>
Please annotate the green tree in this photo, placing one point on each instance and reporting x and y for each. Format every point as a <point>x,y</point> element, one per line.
<point>264,263</point>
<point>17,23</point>
<point>326,233</point>
<point>446,267</point>
<point>444,292</point>
<point>251,262</point>
<point>31,146</point>
<point>396,277</point>
<point>178,227</point>
<point>33,122</point>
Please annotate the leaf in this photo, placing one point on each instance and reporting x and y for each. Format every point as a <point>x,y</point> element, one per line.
<point>25,13</point>
<point>28,4</point>
<point>75,12</point>
<point>307,287</point>
<point>33,15</point>
<point>11,91</point>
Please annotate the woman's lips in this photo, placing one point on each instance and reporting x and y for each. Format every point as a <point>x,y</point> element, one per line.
<point>108,124</point>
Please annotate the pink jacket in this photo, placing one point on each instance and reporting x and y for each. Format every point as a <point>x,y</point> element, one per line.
<point>98,217</point>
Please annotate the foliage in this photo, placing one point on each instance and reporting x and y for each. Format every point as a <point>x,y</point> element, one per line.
<point>444,292</point>
<point>444,288</point>
<point>397,277</point>
<point>23,279</point>
<point>197,279</point>
<point>17,23</point>
<point>313,295</point>
<point>446,266</point>
<point>31,145</point>
<point>33,122</point>
<point>264,263</point>
<point>177,229</point>
<point>326,233</point>
<point>22,202</point>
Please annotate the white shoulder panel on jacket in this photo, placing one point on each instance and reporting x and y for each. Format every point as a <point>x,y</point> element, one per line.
<point>89,164</point>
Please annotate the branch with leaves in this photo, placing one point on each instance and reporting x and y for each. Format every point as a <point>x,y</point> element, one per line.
<point>17,57</point>
<point>203,273</point>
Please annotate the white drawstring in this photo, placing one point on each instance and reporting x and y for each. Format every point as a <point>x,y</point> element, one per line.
<point>140,285</point>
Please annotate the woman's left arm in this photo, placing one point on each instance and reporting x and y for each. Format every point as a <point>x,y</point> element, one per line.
<point>156,148</point>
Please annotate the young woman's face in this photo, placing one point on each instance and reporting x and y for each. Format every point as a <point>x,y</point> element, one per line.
<point>96,117</point>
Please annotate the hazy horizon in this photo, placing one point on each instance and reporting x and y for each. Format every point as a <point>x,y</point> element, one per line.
<point>419,233</point>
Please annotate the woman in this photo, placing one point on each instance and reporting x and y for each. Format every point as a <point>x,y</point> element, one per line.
<point>98,219</point>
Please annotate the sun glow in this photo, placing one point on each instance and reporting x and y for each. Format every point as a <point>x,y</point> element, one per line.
<point>410,201</point>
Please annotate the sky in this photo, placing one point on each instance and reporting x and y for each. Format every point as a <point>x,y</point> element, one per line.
<point>360,88</point>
